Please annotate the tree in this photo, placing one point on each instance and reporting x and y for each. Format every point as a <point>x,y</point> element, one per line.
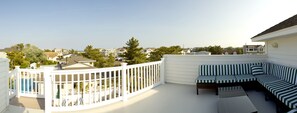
<point>47,50</point>
<point>159,52</point>
<point>95,54</point>
<point>72,51</point>
<point>17,59</point>
<point>133,54</point>
<point>110,60</point>
<point>34,54</point>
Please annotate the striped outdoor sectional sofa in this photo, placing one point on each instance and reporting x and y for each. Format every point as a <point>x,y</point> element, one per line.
<point>220,74</point>
<point>280,81</point>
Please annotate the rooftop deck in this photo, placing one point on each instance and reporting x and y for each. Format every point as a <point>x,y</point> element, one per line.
<point>170,98</point>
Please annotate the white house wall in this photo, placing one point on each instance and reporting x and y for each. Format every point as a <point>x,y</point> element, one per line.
<point>4,84</point>
<point>183,69</point>
<point>285,53</point>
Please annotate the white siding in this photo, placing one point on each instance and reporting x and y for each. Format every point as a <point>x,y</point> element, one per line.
<point>183,69</point>
<point>285,53</point>
<point>4,84</point>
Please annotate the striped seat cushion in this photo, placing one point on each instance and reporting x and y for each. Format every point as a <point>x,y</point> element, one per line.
<point>245,78</point>
<point>264,79</point>
<point>288,97</point>
<point>225,79</point>
<point>206,79</point>
<point>278,86</point>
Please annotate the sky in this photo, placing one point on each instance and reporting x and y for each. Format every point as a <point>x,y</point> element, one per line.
<point>74,24</point>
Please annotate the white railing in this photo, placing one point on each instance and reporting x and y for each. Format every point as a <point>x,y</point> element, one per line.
<point>68,90</point>
<point>142,77</point>
<point>11,84</point>
<point>31,82</point>
<point>86,88</point>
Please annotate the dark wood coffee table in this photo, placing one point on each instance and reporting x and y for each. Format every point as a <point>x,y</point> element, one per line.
<point>234,100</point>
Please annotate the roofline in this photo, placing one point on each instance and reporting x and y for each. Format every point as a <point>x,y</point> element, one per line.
<point>279,33</point>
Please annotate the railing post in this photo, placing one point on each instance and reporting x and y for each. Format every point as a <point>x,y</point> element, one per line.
<point>48,89</point>
<point>17,81</point>
<point>124,78</point>
<point>162,71</point>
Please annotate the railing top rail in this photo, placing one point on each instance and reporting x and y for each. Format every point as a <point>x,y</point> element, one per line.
<point>242,55</point>
<point>86,70</point>
<point>144,64</point>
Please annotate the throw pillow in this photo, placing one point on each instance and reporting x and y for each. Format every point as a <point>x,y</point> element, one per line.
<point>257,70</point>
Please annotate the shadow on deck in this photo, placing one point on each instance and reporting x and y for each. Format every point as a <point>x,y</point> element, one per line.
<point>27,102</point>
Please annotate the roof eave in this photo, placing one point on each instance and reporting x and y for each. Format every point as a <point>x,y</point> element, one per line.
<point>276,34</point>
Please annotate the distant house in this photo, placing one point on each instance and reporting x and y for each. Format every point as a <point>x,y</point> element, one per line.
<point>186,51</point>
<point>253,49</point>
<point>76,62</point>
<point>148,51</point>
<point>61,51</point>
<point>280,42</point>
<point>201,53</point>
<point>66,55</point>
<point>53,56</point>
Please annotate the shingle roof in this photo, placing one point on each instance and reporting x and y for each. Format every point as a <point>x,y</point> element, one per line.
<point>292,21</point>
<point>76,59</point>
<point>51,54</point>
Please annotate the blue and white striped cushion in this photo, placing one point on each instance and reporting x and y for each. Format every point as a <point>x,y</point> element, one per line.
<point>264,79</point>
<point>265,67</point>
<point>292,111</point>
<point>289,97</point>
<point>225,79</point>
<point>206,79</point>
<point>278,86</point>
<point>291,75</point>
<point>208,70</point>
<point>257,70</point>
<point>245,78</point>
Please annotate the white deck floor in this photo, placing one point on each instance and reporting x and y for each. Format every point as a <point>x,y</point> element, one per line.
<point>173,98</point>
<point>176,98</point>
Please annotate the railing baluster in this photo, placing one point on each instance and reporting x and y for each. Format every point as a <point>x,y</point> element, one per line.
<point>109,81</point>
<point>105,86</point>
<point>95,88</point>
<point>119,83</point>
<point>100,86</point>
<point>114,84</point>
<point>78,89</point>
<point>90,88</point>
<point>138,77</point>
<point>128,79</point>
<point>60,88</point>
<point>66,89</point>
<point>84,88</point>
<point>72,89</point>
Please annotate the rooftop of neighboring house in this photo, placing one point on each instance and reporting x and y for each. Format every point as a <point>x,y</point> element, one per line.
<point>73,59</point>
<point>51,54</point>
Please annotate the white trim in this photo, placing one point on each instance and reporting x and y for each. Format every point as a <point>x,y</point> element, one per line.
<point>276,34</point>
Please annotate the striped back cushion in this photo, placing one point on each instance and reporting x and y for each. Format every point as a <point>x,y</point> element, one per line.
<point>265,67</point>
<point>257,70</point>
<point>291,75</point>
<point>242,69</point>
<point>285,73</point>
<point>208,70</point>
<point>226,69</point>
<point>235,69</point>
<point>278,71</point>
